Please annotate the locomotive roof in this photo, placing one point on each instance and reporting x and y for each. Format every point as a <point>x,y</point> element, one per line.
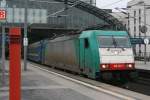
<point>86,34</point>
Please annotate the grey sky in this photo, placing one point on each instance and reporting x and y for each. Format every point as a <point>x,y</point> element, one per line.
<point>102,3</point>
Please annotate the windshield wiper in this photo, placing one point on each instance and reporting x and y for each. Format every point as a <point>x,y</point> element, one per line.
<point>108,49</point>
<point>122,48</point>
<point>114,42</point>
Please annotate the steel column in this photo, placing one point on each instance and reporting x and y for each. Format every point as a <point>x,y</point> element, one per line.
<point>145,46</point>
<point>25,34</point>
<point>3,54</point>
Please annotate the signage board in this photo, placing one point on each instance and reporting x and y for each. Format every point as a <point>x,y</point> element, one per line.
<point>2,14</point>
<point>25,41</point>
<point>136,41</point>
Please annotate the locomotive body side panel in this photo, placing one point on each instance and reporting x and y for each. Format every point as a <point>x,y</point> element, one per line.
<point>89,59</point>
<point>63,53</point>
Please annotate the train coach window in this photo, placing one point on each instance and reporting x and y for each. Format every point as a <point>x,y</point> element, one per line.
<point>86,43</point>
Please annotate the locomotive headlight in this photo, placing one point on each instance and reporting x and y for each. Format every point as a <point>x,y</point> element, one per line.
<point>104,66</point>
<point>130,65</point>
<point>116,53</point>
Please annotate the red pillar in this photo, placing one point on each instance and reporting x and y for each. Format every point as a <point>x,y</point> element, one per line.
<point>15,63</point>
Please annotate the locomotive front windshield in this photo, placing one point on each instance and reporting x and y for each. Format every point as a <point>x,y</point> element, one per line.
<point>114,42</point>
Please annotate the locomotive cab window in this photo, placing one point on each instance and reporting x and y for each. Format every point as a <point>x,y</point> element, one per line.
<point>114,42</point>
<point>86,43</point>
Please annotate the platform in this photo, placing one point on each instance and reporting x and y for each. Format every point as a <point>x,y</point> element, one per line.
<point>142,66</point>
<point>39,84</point>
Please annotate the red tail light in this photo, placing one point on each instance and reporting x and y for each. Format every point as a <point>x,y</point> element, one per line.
<point>117,66</point>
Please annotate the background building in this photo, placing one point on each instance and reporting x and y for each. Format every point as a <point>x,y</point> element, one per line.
<point>139,16</point>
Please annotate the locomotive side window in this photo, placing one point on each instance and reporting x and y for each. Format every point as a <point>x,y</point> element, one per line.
<point>86,43</point>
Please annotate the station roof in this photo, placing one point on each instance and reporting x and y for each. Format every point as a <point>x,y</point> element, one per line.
<point>102,33</point>
<point>39,31</point>
<point>110,20</point>
<point>100,13</point>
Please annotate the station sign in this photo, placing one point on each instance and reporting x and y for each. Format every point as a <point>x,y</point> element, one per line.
<point>136,41</point>
<point>25,41</point>
<point>2,14</point>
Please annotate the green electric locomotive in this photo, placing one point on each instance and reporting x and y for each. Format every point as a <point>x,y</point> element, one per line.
<point>95,54</point>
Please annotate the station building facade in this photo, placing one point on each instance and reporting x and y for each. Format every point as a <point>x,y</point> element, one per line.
<point>139,16</point>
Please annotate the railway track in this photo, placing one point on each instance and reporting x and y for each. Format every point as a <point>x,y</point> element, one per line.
<point>141,85</point>
<point>144,73</point>
<point>143,81</point>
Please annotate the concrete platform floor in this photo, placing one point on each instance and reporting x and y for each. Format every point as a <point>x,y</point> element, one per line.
<point>142,65</point>
<point>41,85</point>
